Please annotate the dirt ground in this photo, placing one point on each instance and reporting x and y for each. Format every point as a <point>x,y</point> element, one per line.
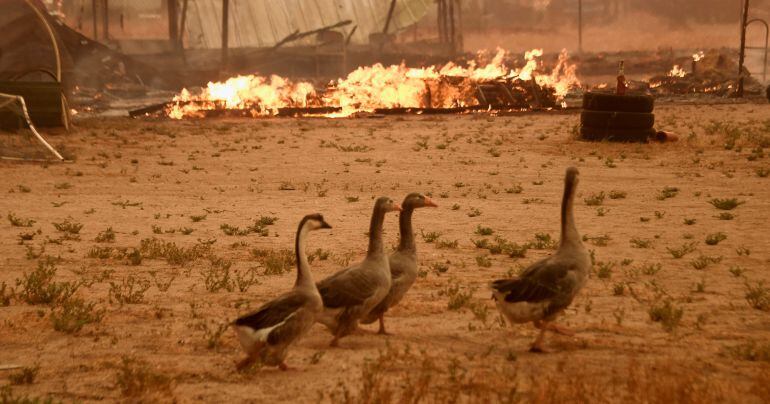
<point>154,322</point>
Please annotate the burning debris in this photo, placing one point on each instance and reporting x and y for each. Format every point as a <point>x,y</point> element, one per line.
<point>477,85</point>
<point>710,73</point>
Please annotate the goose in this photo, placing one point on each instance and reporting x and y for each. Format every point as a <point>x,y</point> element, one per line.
<point>547,287</point>
<point>403,261</point>
<point>267,333</point>
<point>352,292</point>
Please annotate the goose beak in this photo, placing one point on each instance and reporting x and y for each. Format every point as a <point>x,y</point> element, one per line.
<point>429,202</point>
<point>397,207</point>
<point>325,225</point>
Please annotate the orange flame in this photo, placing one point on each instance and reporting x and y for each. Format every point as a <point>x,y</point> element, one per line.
<point>377,86</point>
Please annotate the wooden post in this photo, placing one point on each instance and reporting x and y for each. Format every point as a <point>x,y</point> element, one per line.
<point>742,55</point>
<point>440,14</point>
<point>173,21</point>
<point>580,26</point>
<point>225,29</point>
<point>451,35</point>
<point>106,19</point>
<point>182,25</point>
<point>93,14</point>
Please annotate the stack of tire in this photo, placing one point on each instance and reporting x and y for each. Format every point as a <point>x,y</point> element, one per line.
<point>618,118</point>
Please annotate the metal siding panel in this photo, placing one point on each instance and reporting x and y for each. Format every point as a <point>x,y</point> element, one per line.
<point>260,23</point>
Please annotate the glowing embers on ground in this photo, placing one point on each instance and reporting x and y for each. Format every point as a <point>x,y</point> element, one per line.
<point>369,88</point>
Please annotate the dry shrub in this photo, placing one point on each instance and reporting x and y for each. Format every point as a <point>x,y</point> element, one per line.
<point>401,376</point>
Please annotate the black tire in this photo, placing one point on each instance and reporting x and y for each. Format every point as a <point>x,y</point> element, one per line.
<point>617,120</point>
<point>618,103</point>
<point>616,135</point>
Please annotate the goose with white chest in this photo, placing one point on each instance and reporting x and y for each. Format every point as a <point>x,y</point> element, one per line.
<point>267,333</point>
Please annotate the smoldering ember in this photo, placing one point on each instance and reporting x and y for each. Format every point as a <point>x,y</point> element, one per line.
<point>385,201</point>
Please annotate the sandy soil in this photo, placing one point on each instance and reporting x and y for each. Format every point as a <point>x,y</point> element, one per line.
<point>146,179</point>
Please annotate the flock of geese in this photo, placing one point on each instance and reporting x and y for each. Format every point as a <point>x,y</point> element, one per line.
<point>364,292</point>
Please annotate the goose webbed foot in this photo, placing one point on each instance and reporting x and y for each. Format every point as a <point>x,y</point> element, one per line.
<point>284,367</point>
<point>335,342</point>
<point>537,348</point>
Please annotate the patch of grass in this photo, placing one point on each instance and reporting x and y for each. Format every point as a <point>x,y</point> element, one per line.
<point>599,241</point>
<point>483,261</point>
<point>667,192</point>
<point>737,271</point>
<point>681,251</point>
<point>439,267</point>
<point>430,236</point>
<point>68,226</point>
<point>129,291</point>
<point>275,262</point>
<point>73,314</point>
<point>689,222</point>
<point>725,216</point>
<point>726,203</point>
<point>667,314</point>
<point>637,242</point>
<point>758,296</point>
<point>703,261</point>
<point>458,295</point>
<point>135,378</point>
<point>39,287</point>
<point>615,194</point>
<point>100,252</point>
<point>715,238</point>
<point>543,241</point>
<point>750,351</point>
<point>198,218</point>
<point>6,294</point>
<point>604,269</point>
<point>25,375</point>
<point>153,248</point>
<point>217,276</point>
<point>595,199</point>
<point>447,244</point>
<point>19,222</point>
<point>484,231</point>
<point>515,189</point>
<point>106,236</point>
<point>651,269</point>
<point>619,289</point>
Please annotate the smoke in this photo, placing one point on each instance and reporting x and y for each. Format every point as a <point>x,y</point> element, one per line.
<point>637,31</point>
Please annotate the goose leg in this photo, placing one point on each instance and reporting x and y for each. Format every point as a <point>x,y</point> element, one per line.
<point>382,326</point>
<point>335,342</point>
<point>283,366</point>
<point>537,346</point>
<point>560,329</point>
<point>246,362</point>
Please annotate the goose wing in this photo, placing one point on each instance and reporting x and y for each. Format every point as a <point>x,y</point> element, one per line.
<point>349,287</point>
<point>543,280</point>
<point>273,312</point>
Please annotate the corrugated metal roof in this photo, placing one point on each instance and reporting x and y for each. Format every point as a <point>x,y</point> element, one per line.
<point>261,23</point>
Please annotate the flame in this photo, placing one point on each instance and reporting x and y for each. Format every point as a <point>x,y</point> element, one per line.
<point>258,94</point>
<point>677,71</point>
<point>698,56</point>
<point>378,86</point>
